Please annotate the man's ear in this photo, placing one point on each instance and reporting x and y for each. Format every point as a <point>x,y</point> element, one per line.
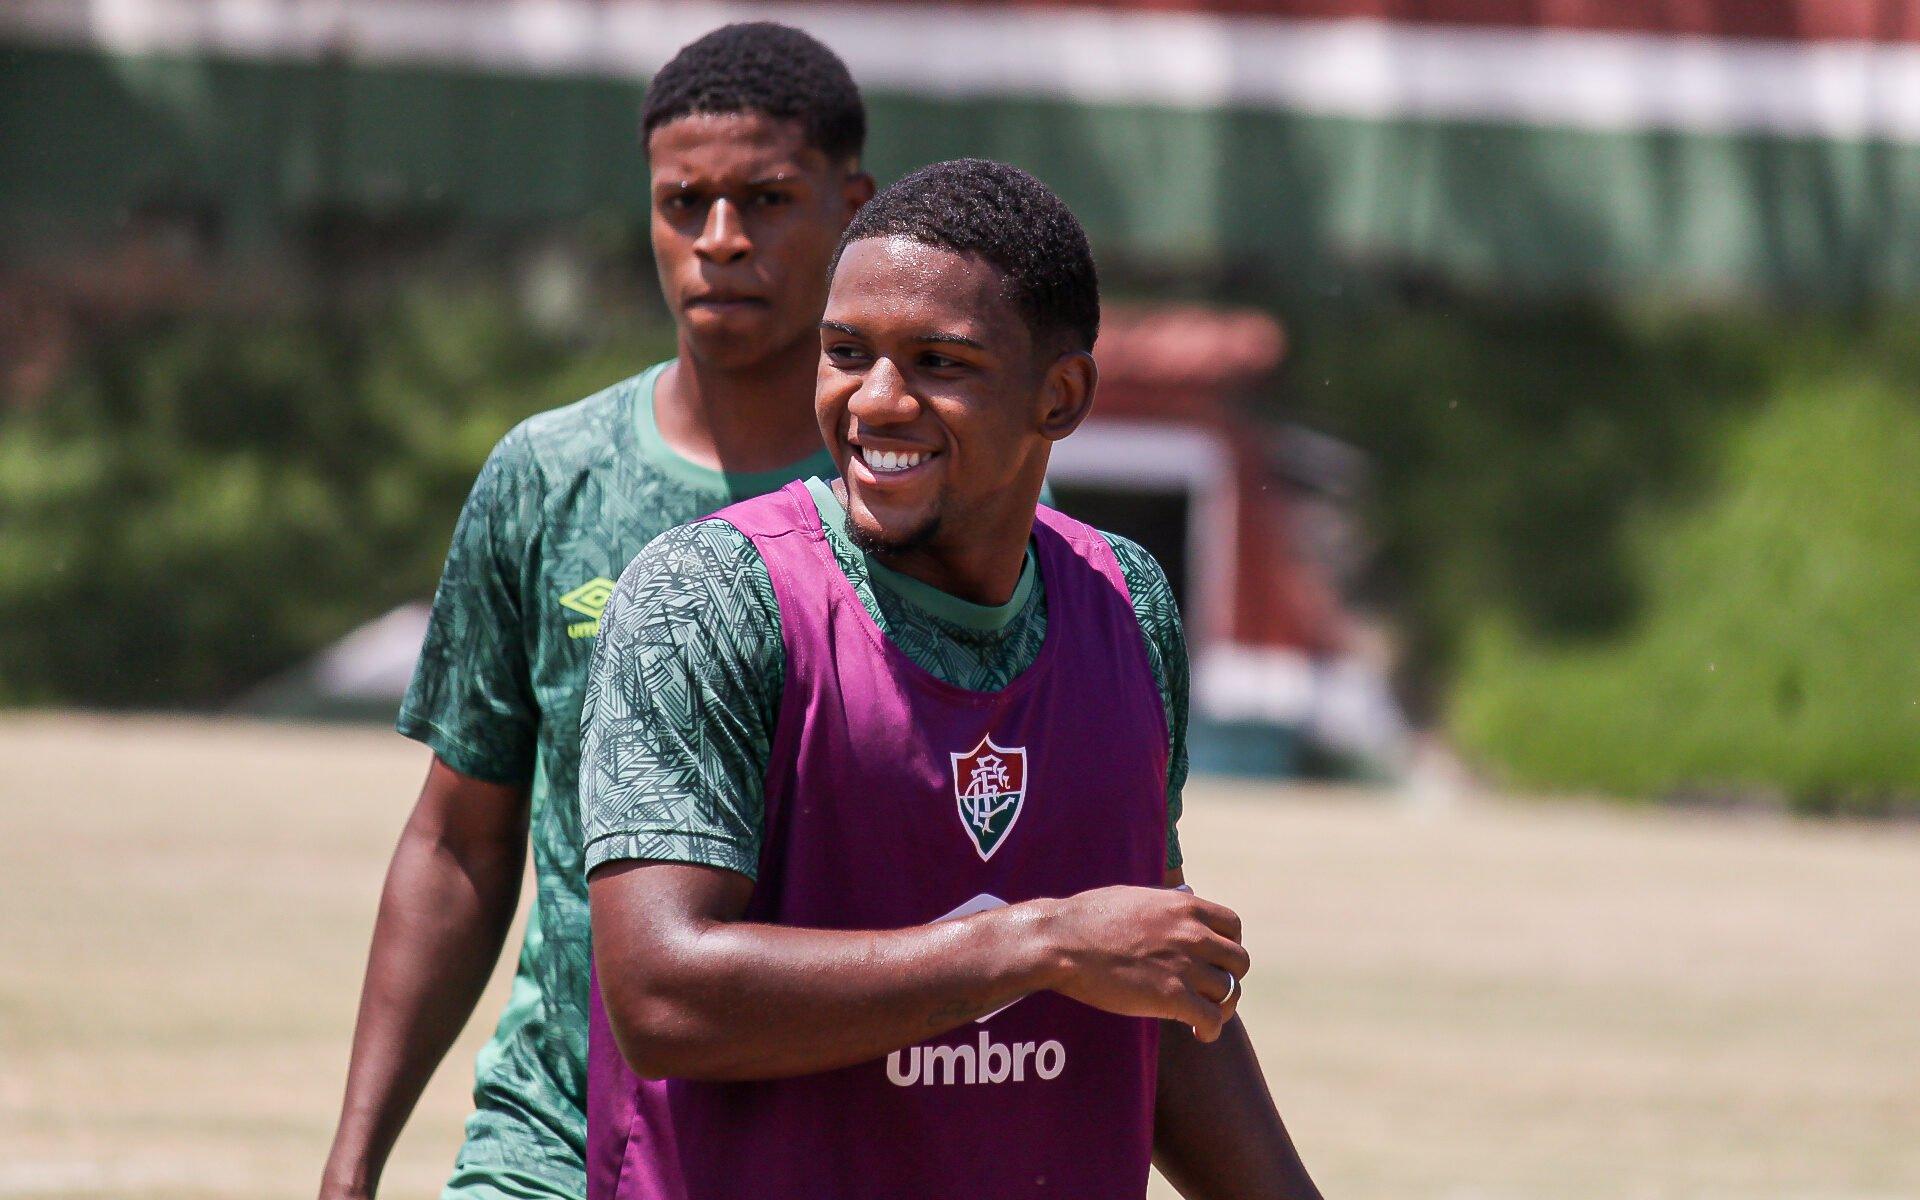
<point>1067,394</point>
<point>857,189</point>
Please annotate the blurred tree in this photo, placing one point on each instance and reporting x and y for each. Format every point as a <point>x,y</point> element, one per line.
<point>1777,647</point>
<point>208,499</point>
<point>1513,445</point>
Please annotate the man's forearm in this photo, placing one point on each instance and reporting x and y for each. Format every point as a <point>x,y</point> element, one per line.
<point>1216,1132</point>
<point>693,992</point>
<point>442,920</point>
<point>771,1001</point>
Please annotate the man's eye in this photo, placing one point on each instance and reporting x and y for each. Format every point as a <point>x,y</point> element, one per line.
<point>939,362</point>
<point>678,202</point>
<point>845,356</point>
<point>771,199</point>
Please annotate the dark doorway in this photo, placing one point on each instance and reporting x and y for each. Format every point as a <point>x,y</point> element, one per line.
<point>1157,519</point>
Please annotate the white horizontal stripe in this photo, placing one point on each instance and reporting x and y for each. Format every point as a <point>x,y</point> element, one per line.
<point>1355,68</point>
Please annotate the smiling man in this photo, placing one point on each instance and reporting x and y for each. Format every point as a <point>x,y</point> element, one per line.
<point>753,135</point>
<point>880,782</point>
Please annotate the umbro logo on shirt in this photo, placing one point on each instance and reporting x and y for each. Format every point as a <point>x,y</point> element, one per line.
<point>590,600</point>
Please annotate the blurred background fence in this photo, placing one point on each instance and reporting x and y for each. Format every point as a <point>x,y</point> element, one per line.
<point>1614,303</point>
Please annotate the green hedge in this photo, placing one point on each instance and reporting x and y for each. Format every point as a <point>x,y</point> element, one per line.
<point>206,501</point>
<point>1777,648</point>
<point>1573,521</point>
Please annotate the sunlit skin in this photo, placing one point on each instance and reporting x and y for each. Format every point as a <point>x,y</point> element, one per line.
<point>921,351</point>
<point>745,216</point>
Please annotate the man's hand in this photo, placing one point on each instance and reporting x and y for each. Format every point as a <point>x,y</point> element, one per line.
<point>1150,952</point>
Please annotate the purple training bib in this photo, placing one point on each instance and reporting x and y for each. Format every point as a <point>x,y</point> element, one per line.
<point>895,799</point>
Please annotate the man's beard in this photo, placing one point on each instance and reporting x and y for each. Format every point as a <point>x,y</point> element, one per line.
<point>868,543</point>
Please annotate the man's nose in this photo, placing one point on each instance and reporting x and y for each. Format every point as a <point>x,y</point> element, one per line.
<point>724,237</point>
<point>883,397</point>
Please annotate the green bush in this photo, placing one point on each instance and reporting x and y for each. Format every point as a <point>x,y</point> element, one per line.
<point>208,500</point>
<point>1777,646</point>
<point>1509,447</point>
<point>1547,485</point>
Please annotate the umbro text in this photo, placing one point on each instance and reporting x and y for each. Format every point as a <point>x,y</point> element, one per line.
<point>988,1062</point>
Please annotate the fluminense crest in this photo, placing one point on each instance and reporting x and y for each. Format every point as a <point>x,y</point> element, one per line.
<point>989,786</point>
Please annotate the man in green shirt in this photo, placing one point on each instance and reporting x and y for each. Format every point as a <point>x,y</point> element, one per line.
<point>753,135</point>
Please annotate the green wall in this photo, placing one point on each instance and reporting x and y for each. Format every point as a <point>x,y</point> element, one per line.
<point>85,135</point>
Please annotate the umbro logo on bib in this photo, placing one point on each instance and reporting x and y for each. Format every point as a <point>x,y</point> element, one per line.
<point>989,786</point>
<point>986,1061</point>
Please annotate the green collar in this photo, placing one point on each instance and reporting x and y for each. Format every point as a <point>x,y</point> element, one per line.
<point>924,596</point>
<point>737,484</point>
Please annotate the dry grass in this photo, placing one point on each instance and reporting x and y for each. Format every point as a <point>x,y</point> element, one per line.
<point>1496,1002</point>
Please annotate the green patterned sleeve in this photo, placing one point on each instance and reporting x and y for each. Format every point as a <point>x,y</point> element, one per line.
<point>471,698</point>
<point>1166,639</point>
<point>681,704</point>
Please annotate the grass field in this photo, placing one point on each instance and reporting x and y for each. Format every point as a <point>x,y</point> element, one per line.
<point>1489,1002</point>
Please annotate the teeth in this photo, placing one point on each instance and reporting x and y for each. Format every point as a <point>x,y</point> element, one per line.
<point>890,460</point>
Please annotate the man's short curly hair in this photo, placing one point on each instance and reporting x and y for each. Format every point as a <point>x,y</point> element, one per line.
<point>1010,219</point>
<point>763,67</point>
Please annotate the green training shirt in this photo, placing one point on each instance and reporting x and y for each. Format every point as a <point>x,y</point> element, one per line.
<point>687,678</point>
<point>563,503</point>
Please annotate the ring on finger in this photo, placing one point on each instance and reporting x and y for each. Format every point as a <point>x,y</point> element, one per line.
<point>1233,988</point>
